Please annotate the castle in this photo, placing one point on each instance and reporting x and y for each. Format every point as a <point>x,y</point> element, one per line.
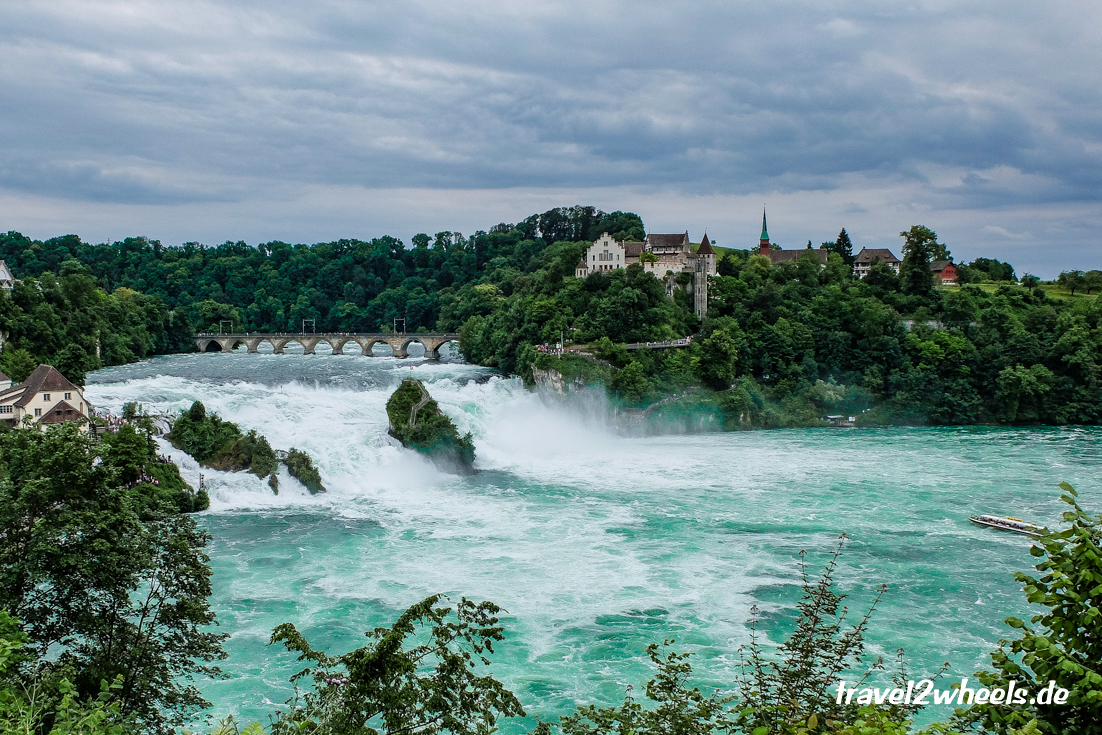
<point>666,256</point>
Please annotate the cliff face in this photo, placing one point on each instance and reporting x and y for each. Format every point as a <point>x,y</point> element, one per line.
<point>417,421</point>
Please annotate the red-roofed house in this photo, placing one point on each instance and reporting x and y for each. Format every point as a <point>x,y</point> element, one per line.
<point>945,272</point>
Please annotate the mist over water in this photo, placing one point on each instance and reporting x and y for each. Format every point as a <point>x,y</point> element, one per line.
<point>596,540</point>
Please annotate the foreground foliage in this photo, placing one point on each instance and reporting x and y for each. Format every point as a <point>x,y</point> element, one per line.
<point>1063,643</point>
<point>110,584</point>
<point>48,705</point>
<point>424,675</point>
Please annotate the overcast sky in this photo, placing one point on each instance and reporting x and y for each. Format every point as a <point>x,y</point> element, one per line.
<point>310,121</point>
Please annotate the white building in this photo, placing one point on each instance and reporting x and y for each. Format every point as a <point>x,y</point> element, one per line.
<point>667,257</point>
<point>867,257</point>
<point>7,278</point>
<point>46,397</point>
<point>605,254</point>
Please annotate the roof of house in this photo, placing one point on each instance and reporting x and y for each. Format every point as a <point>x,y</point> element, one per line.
<point>668,241</point>
<point>44,377</point>
<point>581,264</point>
<point>63,411</point>
<point>705,246</point>
<point>778,256</point>
<point>4,377</point>
<point>633,249</point>
<point>939,265</point>
<point>5,272</point>
<point>867,255</point>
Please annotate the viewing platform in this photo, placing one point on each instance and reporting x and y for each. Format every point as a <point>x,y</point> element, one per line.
<point>399,343</point>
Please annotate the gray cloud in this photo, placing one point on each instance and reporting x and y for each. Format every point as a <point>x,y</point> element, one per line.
<point>978,107</point>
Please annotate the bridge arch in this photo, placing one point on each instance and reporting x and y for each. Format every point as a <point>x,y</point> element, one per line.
<point>217,344</point>
<point>405,343</point>
<point>431,343</point>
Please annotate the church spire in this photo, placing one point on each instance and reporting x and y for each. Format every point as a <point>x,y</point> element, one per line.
<point>763,244</point>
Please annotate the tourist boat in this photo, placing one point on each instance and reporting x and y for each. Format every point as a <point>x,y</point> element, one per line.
<point>1007,523</point>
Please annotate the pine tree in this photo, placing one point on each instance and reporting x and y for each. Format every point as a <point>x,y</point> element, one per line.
<point>844,247</point>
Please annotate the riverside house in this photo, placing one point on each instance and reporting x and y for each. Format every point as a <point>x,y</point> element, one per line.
<point>45,397</point>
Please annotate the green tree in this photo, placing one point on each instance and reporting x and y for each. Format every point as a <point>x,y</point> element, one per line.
<point>1070,280</point>
<point>1092,281</point>
<point>677,709</point>
<point>425,674</point>
<point>837,271</point>
<point>128,451</point>
<point>1021,389</point>
<point>728,265</point>
<point>881,278</point>
<point>1062,642</point>
<point>632,383</point>
<point>919,250</point>
<point>622,226</point>
<point>782,692</point>
<point>75,363</point>
<point>17,363</point>
<point>843,246</point>
<point>106,592</point>
<point>48,704</point>
<point>719,357</point>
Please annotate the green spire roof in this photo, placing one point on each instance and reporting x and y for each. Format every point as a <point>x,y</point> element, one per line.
<point>764,229</point>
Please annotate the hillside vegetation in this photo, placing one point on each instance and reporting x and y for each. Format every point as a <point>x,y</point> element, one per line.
<point>781,345</point>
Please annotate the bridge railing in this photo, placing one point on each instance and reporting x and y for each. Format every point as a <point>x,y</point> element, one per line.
<point>291,335</point>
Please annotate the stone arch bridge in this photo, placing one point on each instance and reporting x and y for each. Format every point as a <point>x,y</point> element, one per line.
<point>399,343</point>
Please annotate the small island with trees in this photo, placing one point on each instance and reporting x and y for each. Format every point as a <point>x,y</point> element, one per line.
<point>221,445</point>
<point>418,423</point>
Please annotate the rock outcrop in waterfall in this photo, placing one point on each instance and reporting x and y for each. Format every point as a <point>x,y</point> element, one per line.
<point>417,421</point>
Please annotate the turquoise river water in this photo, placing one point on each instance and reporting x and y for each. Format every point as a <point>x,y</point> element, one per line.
<point>596,540</point>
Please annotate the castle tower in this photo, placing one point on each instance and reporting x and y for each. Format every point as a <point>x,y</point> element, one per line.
<point>705,266</point>
<point>763,243</point>
<point>706,252</point>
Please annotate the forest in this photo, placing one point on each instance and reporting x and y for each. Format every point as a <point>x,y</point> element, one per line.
<point>781,345</point>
